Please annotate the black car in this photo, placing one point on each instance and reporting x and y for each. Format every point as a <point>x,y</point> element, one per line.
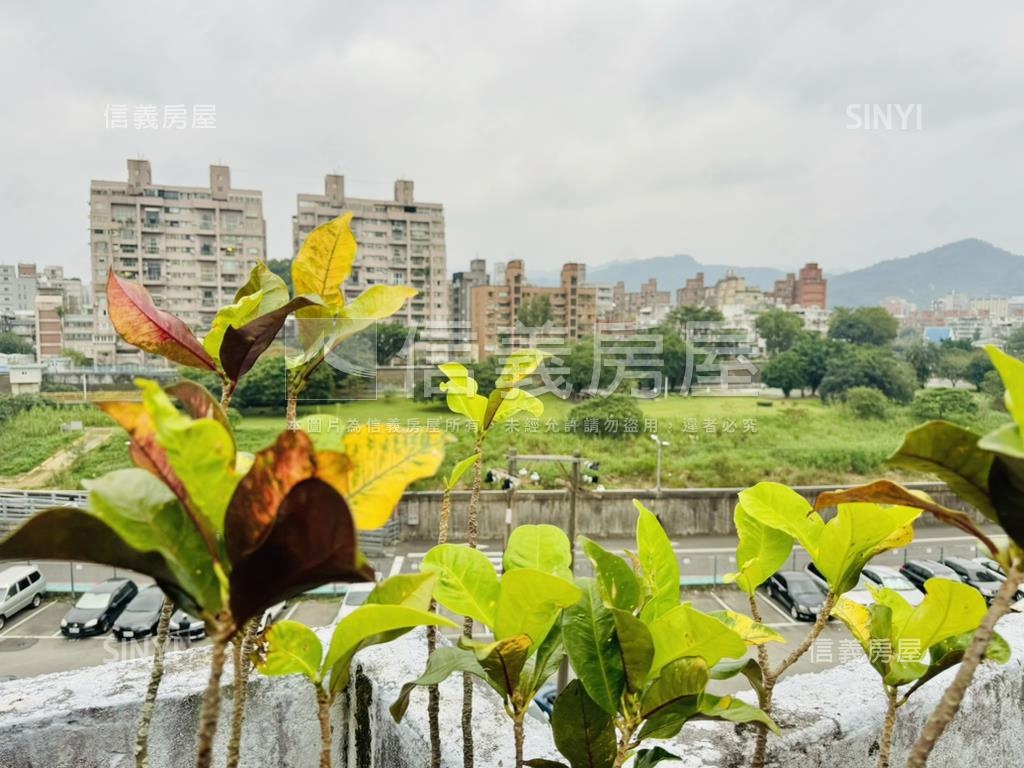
<point>919,571</point>
<point>796,592</point>
<point>978,576</point>
<point>98,609</point>
<point>141,616</point>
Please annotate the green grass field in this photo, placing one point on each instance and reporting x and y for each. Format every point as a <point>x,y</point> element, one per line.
<point>791,441</point>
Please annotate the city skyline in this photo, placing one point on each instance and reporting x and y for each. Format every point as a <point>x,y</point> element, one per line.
<point>621,151</point>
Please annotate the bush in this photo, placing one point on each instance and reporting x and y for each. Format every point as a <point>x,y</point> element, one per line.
<point>12,406</point>
<point>614,416</point>
<point>874,367</point>
<point>866,402</point>
<point>950,404</point>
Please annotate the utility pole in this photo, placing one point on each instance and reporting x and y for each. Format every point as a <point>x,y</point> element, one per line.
<point>511,495</point>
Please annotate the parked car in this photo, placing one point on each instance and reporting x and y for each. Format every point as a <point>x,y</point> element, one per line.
<point>21,586</point>
<point>141,615</point>
<point>355,596</point>
<point>98,609</point>
<point>186,625</point>
<point>858,594</point>
<point>797,592</point>
<point>918,572</point>
<point>884,576</point>
<point>271,615</point>
<point>978,576</point>
<point>1000,574</point>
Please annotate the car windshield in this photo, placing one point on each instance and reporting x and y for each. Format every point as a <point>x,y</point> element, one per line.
<point>982,574</point>
<point>897,582</point>
<point>148,600</point>
<point>802,584</point>
<point>90,601</point>
<point>356,598</point>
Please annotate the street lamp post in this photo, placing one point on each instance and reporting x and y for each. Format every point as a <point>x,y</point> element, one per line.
<point>657,477</point>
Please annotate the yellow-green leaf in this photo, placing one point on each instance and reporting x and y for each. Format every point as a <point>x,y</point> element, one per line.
<point>235,315</point>
<point>752,632</point>
<point>273,288</point>
<point>325,261</point>
<point>290,648</point>
<point>518,366</point>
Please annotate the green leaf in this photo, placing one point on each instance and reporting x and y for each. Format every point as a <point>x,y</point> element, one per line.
<point>584,733</point>
<point>648,758</point>
<point>659,565</point>
<point>1006,482</point>
<point>543,548</point>
<point>467,583</point>
<point>529,602</point>
<point>145,514</point>
<point>682,678</point>
<point>459,470</point>
<point>371,624</point>
<point>636,646</point>
<point>776,506</point>
<point>325,261</point>
<point>1004,440</point>
<point>1011,371</point>
<point>855,535</point>
<point>762,550</point>
<point>518,366</point>
<point>951,453</point>
<point>947,610</point>
<point>685,631</point>
<point>200,451</point>
<point>732,710</point>
<point>588,630</point>
<point>503,661</point>
<point>413,590</point>
<point>461,393</point>
<point>748,667</point>
<point>751,631</point>
<point>236,315</point>
<point>619,586</point>
<point>444,661</point>
<point>544,663</point>
<point>291,648</point>
<point>273,289</point>
<point>504,404</point>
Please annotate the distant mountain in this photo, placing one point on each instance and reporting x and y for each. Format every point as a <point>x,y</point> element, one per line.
<point>671,272</point>
<point>971,267</point>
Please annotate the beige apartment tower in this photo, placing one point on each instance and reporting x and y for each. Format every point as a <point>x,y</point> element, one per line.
<point>401,242</point>
<point>191,247</point>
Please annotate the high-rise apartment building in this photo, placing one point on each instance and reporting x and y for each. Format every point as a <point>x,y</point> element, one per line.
<point>461,295</point>
<point>401,242</point>
<point>191,247</point>
<point>496,309</point>
<point>808,289</point>
<point>17,288</point>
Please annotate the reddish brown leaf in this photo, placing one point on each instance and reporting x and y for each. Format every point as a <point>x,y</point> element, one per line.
<point>256,501</point>
<point>198,402</point>
<point>242,347</point>
<point>139,322</point>
<point>312,542</point>
<point>888,492</point>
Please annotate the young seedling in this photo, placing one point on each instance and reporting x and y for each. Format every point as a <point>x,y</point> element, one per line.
<point>909,645</point>
<point>395,606</point>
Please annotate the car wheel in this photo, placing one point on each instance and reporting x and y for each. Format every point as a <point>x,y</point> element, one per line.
<point>793,612</point>
<point>37,600</point>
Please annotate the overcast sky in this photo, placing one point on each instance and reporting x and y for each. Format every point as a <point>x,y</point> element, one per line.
<point>550,131</point>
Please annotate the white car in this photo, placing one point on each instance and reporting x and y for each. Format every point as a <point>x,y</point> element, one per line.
<point>272,614</point>
<point>21,586</point>
<point>354,597</point>
<point>858,594</point>
<point>884,576</point>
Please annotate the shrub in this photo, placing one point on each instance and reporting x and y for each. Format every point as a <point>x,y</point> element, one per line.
<point>866,402</point>
<point>12,406</point>
<point>616,416</point>
<point>950,404</point>
<point>868,367</point>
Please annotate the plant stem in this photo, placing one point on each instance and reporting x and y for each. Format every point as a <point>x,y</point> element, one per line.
<point>473,532</point>
<point>627,729</point>
<point>819,624</point>
<point>885,743</point>
<point>763,696</point>
<point>323,702</point>
<point>518,735</point>
<point>226,393</point>
<point>433,692</point>
<point>243,648</point>
<point>950,703</point>
<point>149,703</point>
<point>210,710</point>
<point>291,411</point>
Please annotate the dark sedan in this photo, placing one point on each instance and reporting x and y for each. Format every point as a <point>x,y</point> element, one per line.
<point>978,576</point>
<point>98,609</point>
<point>141,616</point>
<point>796,592</point>
<point>919,571</point>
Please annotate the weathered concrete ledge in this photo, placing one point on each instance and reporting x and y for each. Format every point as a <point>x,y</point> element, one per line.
<point>86,719</point>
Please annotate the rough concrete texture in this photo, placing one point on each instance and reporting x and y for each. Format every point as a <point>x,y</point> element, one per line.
<point>87,718</point>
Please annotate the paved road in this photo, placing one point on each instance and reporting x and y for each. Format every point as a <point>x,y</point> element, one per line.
<point>31,643</point>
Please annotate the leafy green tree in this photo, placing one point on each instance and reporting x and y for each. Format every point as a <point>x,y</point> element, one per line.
<point>391,339</point>
<point>953,362</point>
<point>581,362</point>
<point>283,269</point>
<point>266,385</point>
<point>863,325</point>
<point>866,402</point>
<point>535,311</point>
<point>779,329</point>
<point>923,357</point>
<point>868,367</point>
<point>785,371</point>
<point>77,359</point>
<point>611,413</point>
<point>814,353</point>
<point>1014,344</point>
<point>978,367</point>
<point>689,313</point>
<point>945,403</point>
<point>12,344</point>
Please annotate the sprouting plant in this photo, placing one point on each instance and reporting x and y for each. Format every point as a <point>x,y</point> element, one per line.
<point>642,659</point>
<point>225,534</point>
<point>768,518</point>
<point>505,401</point>
<point>521,610</point>
<point>320,268</point>
<point>395,606</point>
<point>988,473</point>
<point>909,645</point>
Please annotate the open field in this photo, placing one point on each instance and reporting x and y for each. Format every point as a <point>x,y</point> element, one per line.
<point>713,441</point>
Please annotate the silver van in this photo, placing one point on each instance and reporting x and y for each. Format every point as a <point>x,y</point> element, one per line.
<point>21,586</point>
